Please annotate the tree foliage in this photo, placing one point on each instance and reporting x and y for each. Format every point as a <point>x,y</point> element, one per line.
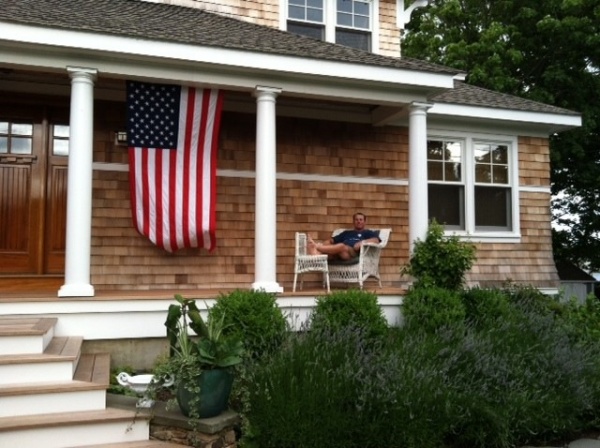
<point>547,51</point>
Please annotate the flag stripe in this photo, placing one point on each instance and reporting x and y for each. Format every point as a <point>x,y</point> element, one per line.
<point>173,189</point>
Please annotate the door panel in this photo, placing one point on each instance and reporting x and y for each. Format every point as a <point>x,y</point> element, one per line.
<point>56,217</point>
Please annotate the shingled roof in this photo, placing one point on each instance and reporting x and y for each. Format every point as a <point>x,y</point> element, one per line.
<point>171,23</point>
<point>163,22</point>
<point>469,95</point>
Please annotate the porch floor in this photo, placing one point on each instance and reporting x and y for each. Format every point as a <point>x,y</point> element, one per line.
<point>112,295</point>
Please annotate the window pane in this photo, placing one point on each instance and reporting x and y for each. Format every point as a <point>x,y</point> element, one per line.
<point>344,5</point>
<point>354,39</point>
<point>296,12</point>
<point>61,131</point>
<point>452,172</point>
<point>60,147</point>
<point>501,174</point>
<point>435,171</point>
<point>305,29</point>
<point>482,153</point>
<point>19,145</point>
<point>3,127</point>
<point>297,2</point>
<point>344,19</point>
<point>483,174</point>
<point>453,151</point>
<point>500,154</point>
<point>435,150</point>
<point>361,22</point>
<point>315,4</point>
<point>446,205</point>
<point>3,145</point>
<point>314,15</point>
<point>22,129</point>
<point>362,8</point>
<point>492,208</point>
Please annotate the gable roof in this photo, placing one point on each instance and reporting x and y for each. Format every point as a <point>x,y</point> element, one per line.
<point>570,272</point>
<point>164,22</point>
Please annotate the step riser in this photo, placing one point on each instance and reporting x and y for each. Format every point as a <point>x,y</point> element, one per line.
<point>36,372</point>
<point>51,403</point>
<point>15,345</point>
<point>71,436</point>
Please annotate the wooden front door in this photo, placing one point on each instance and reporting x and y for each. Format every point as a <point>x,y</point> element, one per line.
<point>33,189</point>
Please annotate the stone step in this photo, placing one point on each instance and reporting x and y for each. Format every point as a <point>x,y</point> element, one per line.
<point>86,392</point>
<point>57,363</point>
<point>25,335</point>
<point>142,444</point>
<point>72,429</point>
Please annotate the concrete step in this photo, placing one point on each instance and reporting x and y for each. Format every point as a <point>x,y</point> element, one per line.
<point>86,392</point>
<point>25,335</point>
<point>143,444</point>
<point>56,363</point>
<point>72,429</point>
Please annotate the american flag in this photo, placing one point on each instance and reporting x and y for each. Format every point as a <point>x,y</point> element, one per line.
<point>173,133</point>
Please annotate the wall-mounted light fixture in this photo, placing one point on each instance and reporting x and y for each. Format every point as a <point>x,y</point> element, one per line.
<point>121,138</point>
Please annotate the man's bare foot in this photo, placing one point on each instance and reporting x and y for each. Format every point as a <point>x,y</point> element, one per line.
<point>311,246</point>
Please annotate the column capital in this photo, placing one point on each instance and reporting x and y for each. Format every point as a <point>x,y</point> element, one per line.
<point>264,90</point>
<point>90,73</point>
<point>417,105</point>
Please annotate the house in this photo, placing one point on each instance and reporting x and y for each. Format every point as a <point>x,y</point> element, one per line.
<point>574,281</point>
<point>311,132</point>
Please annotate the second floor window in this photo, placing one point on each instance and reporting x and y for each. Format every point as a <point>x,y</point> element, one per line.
<point>346,22</point>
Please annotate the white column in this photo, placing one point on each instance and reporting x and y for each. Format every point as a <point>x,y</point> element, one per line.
<point>417,172</point>
<point>265,253</point>
<point>79,187</point>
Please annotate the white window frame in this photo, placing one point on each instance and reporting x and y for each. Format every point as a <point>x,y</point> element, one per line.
<point>330,21</point>
<point>469,140</point>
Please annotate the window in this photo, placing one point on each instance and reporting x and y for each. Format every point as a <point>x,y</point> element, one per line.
<point>470,184</point>
<point>346,22</point>
<point>16,138</point>
<point>60,140</point>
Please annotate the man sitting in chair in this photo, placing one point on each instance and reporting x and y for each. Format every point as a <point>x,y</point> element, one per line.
<point>347,244</point>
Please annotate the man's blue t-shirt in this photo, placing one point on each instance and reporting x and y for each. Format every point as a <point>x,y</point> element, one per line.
<point>351,237</point>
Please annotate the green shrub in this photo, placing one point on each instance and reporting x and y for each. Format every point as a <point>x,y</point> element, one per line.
<point>484,307</point>
<point>330,388</point>
<point>583,320</point>
<point>353,308</point>
<point>253,317</point>
<point>519,381</point>
<point>430,309</point>
<point>440,261</point>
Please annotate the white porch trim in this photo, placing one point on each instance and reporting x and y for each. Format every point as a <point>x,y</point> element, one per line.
<point>417,169</point>
<point>265,203</point>
<point>79,188</point>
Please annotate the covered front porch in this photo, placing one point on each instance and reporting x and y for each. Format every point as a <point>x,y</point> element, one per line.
<point>132,314</point>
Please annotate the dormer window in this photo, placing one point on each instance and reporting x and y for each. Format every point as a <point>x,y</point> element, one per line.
<point>346,22</point>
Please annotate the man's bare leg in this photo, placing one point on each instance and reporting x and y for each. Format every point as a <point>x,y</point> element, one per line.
<point>339,250</point>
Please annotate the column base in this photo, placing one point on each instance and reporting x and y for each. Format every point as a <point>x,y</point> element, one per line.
<point>267,287</point>
<point>76,290</point>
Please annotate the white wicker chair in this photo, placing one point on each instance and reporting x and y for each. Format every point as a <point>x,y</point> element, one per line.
<point>308,263</point>
<point>367,264</point>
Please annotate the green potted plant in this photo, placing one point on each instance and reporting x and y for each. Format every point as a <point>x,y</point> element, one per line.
<point>201,365</point>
